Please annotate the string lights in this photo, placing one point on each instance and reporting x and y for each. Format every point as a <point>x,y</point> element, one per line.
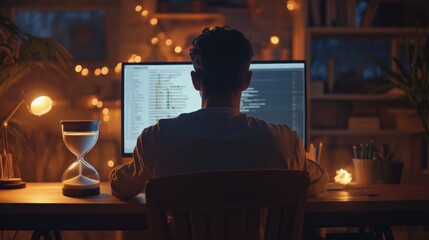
<point>160,38</point>
<point>291,5</point>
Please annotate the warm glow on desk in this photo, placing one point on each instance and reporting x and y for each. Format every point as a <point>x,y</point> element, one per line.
<point>343,177</point>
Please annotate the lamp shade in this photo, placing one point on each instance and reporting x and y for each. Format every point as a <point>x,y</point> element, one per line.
<point>41,105</point>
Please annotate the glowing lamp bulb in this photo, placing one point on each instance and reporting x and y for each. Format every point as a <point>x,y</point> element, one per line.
<point>343,177</point>
<point>118,67</point>
<point>153,21</point>
<point>84,72</point>
<point>178,49</point>
<point>78,68</point>
<point>290,5</point>
<point>145,13</point>
<point>104,70</point>
<point>154,40</point>
<point>274,40</point>
<point>41,105</point>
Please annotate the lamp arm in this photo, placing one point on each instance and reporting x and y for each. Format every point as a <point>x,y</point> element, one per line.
<point>6,121</point>
<point>4,127</point>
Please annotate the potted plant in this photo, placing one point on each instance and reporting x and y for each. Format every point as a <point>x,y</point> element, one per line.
<point>391,170</point>
<point>413,81</point>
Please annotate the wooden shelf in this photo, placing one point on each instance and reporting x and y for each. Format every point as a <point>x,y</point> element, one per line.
<point>346,132</point>
<point>190,16</point>
<point>355,97</point>
<point>348,31</point>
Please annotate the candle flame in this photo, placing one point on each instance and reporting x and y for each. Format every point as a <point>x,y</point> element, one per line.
<point>343,177</point>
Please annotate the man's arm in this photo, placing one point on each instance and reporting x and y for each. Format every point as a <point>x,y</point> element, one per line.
<point>318,178</point>
<point>129,180</point>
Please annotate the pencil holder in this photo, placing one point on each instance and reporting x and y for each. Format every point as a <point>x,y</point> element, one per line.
<point>365,170</point>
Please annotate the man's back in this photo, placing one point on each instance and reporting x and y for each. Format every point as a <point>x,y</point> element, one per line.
<point>218,139</point>
<point>213,139</point>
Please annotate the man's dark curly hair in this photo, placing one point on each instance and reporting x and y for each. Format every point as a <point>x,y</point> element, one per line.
<point>221,57</point>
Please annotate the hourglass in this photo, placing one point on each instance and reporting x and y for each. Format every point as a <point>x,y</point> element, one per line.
<point>80,178</point>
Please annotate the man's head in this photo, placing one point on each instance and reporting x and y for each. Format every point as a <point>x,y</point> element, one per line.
<point>221,57</point>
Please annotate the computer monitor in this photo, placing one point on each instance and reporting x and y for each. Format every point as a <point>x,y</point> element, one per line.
<point>151,91</point>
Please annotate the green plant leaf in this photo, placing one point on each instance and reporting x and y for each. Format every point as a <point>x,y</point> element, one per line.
<point>395,78</point>
<point>26,51</point>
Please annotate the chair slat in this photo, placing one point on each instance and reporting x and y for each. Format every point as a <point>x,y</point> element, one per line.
<point>217,222</point>
<point>199,222</point>
<point>253,220</point>
<point>236,224</point>
<point>273,223</point>
<point>181,226</point>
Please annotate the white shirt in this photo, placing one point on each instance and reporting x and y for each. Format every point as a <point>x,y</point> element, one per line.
<point>213,139</point>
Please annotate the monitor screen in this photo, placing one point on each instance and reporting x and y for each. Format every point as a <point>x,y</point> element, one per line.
<point>151,91</point>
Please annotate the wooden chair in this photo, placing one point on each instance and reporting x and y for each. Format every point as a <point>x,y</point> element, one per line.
<point>232,204</point>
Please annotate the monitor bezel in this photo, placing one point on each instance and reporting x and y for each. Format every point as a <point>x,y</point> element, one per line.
<point>124,154</point>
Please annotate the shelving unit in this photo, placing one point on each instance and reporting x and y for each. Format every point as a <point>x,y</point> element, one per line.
<point>331,107</point>
<point>369,133</point>
<point>354,97</point>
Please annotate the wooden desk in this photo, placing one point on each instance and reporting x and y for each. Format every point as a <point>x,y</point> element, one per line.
<point>371,205</point>
<point>42,206</point>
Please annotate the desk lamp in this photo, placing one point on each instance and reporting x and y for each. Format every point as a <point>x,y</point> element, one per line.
<point>38,104</point>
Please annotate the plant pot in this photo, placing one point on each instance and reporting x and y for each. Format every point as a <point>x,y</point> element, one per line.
<point>391,172</point>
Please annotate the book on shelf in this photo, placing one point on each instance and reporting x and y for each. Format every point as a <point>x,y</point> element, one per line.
<point>363,123</point>
<point>370,12</point>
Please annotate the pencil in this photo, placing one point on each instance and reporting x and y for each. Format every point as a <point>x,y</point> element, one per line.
<point>319,155</point>
<point>312,152</point>
<point>355,151</point>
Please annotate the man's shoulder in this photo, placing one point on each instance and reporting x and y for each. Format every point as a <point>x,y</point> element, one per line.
<point>167,123</point>
<point>257,122</point>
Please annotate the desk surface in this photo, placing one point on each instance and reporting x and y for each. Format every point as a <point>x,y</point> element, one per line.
<point>378,204</point>
<point>42,206</point>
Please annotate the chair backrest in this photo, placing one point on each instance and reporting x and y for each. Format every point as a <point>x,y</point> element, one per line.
<point>232,204</point>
